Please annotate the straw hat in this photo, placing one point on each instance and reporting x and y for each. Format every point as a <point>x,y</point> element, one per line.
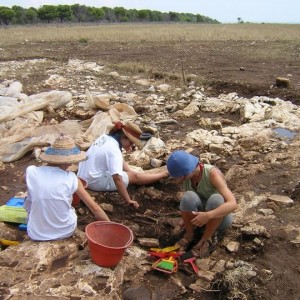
<point>63,151</point>
<point>133,132</point>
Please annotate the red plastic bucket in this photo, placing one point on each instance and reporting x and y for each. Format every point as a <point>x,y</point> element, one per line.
<point>107,242</point>
<point>76,198</point>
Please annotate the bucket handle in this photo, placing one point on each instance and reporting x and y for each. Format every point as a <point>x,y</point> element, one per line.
<point>130,240</point>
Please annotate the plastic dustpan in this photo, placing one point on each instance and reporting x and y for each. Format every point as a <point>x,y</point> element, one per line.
<point>166,265</point>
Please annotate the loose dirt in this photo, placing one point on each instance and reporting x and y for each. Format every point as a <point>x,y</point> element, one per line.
<point>223,67</point>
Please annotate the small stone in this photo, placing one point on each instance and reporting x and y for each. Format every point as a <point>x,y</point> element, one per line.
<point>107,207</point>
<point>266,211</point>
<point>233,246</point>
<point>148,242</point>
<point>282,82</point>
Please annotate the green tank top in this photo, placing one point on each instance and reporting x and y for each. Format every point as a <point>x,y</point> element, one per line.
<point>204,189</point>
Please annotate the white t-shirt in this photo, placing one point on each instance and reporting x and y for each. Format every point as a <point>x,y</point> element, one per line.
<point>50,193</point>
<point>104,158</point>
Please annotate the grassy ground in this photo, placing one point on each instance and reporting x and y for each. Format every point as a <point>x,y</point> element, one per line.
<point>150,33</point>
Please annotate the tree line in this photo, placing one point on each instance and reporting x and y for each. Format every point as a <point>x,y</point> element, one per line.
<point>80,13</point>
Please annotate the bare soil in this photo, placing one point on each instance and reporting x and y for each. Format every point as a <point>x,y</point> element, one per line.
<point>224,67</point>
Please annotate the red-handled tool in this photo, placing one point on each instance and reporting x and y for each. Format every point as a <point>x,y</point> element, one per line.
<point>191,261</point>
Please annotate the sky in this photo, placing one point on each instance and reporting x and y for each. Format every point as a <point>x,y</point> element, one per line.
<point>225,11</point>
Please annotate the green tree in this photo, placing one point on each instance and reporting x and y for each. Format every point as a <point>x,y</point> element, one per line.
<point>199,19</point>
<point>187,17</point>
<point>120,13</point>
<point>143,14</point>
<point>6,15</point>
<point>47,12</point>
<point>64,12</point>
<point>96,13</point>
<point>174,16</point>
<point>155,16</point>
<point>31,15</point>
<point>109,14</point>
<point>132,14</point>
<point>20,14</point>
<point>79,12</point>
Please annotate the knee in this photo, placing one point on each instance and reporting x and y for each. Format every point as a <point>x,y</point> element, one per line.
<point>190,201</point>
<point>133,177</point>
<point>214,201</point>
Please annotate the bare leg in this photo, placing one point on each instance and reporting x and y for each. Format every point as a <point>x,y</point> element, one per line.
<point>187,216</point>
<point>145,178</point>
<point>210,229</point>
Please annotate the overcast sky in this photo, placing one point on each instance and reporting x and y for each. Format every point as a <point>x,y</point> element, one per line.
<point>225,11</point>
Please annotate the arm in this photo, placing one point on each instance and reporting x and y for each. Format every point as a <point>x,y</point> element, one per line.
<point>218,180</point>
<point>126,167</point>
<point>123,190</point>
<point>98,212</point>
<point>229,205</point>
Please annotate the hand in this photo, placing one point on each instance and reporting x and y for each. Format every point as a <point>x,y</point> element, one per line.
<point>134,203</point>
<point>201,218</point>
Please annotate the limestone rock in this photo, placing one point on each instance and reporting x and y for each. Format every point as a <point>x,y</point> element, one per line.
<point>281,200</point>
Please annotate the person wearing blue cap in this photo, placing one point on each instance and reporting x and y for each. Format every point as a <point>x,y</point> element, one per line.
<point>207,201</point>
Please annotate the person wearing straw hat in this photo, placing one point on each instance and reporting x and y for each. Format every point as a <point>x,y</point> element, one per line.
<point>207,202</point>
<point>50,190</point>
<point>106,170</point>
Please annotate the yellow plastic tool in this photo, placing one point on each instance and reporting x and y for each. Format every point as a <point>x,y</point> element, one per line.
<point>8,242</point>
<point>166,250</point>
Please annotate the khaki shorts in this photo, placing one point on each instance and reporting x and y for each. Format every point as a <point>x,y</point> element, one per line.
<point>105,182</point>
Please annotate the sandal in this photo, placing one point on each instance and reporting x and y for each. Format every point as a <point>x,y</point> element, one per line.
<point>183,244</point>
<point>204,251</point>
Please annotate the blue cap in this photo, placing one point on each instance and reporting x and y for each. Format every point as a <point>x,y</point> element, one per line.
<point>181,163</point>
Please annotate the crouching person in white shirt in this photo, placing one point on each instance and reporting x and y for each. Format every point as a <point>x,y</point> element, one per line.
<point>50,190</point>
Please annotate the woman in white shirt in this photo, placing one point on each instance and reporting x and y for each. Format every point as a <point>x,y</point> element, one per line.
<point>106,170</point>
<point>50,193</point>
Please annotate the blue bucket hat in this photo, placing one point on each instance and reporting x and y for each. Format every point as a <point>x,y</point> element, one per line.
<point>181,163</point>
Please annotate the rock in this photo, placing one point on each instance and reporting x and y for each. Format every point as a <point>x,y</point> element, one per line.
<point>258,242</point>
<point>149,242</point>
<point>282,82</point>
<point>200,285</point>
<point>266,212</point>
<point>233,246</point>
<point>156,163</point>
<point>255,229</point>
<point>163,87</point>
<point>282,201</point>
<point>219,267</point>
<point>107,207</point>
<point>206,275</point>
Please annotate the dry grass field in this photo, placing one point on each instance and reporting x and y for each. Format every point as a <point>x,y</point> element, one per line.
<point>150,33</point>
